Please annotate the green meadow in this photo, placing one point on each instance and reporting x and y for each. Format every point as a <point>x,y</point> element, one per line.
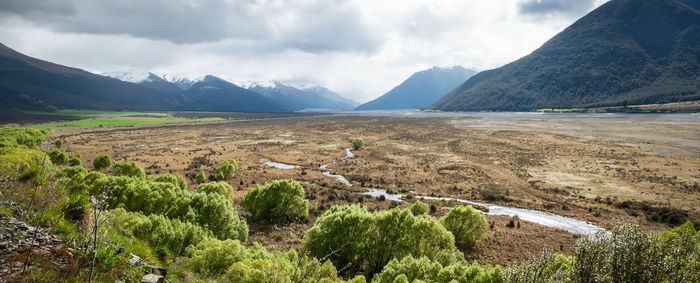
<point>100,119</point>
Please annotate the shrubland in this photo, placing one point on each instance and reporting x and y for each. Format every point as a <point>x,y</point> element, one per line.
<point>278,201</point>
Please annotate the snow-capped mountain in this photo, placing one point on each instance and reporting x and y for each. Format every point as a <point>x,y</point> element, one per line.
<point>307,99</point>
<point>130,76</point>
<point>183,82</point>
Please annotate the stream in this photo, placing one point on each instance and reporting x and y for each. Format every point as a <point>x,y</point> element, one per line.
<point>540,217</point>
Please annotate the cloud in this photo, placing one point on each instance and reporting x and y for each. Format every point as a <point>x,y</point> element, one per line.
<point>551,7</point>
<point>314,26</point>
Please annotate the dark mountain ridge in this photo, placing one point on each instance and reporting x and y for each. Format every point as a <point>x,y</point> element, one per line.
<point>624,52</point>
<point>420,89</point>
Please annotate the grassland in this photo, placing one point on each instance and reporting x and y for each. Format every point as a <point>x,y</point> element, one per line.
<point>99,119</point>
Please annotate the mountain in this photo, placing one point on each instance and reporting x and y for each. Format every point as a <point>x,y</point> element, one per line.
<point>146,79</point>
<point>314,98</point>
<point>624,52</point>
<point>32,84</point>
<point>215,94</point>
<point>421,89</point>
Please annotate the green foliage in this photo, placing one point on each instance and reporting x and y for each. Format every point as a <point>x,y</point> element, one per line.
<point>365,242</point>
<point>175,179</point>
<point>410,269</point>
<point>17,160</point>
<point>419,208</point>
<point>11,137</point>
<point>76,208</point>
<point>221,188</point>
<point>58,157</point>
<point>680,252</point>
<point>226,169</point>
<point>358,144</point>
<point>466,224</point>
<point>546,267</point>
<point>214,257</point>
<point>59,143</point>
<point>174,236</point>
<point>75,160</point>
<point>200,177</point>
<point>280,200</point>
<point>129,168</point>
<point>102,161</point>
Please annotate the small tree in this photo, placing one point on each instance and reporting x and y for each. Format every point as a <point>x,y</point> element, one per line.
<point>419,207</point>
<point>200,177</point>
<point>226,169</point>
<point>75,160</point>
<point>358,144</point>
<point>58,157</point>
<point>101,161</point>
<point>130,169</point>
<point>466,224</point>
<point>281,200</point>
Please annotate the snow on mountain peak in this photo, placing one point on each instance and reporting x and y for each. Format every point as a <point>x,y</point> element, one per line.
<point>130,76</point>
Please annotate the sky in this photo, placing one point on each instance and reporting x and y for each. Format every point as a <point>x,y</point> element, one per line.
<point>358,48</point>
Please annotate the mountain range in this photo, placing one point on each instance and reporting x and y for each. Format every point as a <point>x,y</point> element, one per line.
<point>624,52</point>
<point>420,89</point>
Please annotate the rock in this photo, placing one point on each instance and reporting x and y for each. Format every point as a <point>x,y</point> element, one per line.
<point>119,251</point>
<point>152,278</point>
<point>158,270</point>
<point>134,260</point>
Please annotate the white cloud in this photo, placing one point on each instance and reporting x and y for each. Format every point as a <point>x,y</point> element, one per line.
<point>360,48</point>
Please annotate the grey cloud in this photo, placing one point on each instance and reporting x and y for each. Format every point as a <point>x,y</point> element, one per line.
<point>320,26</point>
<point>549,7</point>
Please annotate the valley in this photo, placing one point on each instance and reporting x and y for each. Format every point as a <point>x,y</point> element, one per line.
<point>597,168</point>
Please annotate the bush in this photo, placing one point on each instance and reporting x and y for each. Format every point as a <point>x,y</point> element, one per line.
<point>358,144</point>
<point>102,161</point>
<point>11,137</point>
<point>546,267</point>
<point>174,236</point>
<point>17,160</point>
<point>58,157</point>
<point>364,242</point>
<point>76,208</point>
<point>59,143</point>
<point>466,224</point>
<point>410,269</point>
<point>281,200</point>
<point>200,177</point>
<point>226,169</point>
<point>175,179</point>
<point>221,188</point>
<point>75,160</point>
<point>130,169</point>
<point>214,257</point>
<point>419,208</point>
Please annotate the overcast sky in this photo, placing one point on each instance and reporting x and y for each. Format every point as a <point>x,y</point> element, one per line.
<point>358,48</point>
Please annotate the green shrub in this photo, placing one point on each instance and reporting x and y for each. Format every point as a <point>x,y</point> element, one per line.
<point>175,179</point>
<point>280,200</point>
<point>200,177</point>
<point>130,169</point>
<point>102,161</point>
<point>364,242</point>
<point>17,160</point>
<point>221,188</point>
<point>76,208</point>
<point>358,144</point>
<point>214,257</point>
<point>75,160</point>
<point>423,269</point>
<point>170,236</point>
<point>11,137</point>
<point>419,208</point>
<point>226,169</point>
<point>59,143</point>
<point>58,157</point>
<point>466,224</point>
<point>546,267</point>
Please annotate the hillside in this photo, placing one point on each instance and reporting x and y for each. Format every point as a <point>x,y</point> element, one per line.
<point>420,89</point>
<point>30,83</point>
<point>624,52</point>
<point>301,99</point>
<point>215,94</point>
